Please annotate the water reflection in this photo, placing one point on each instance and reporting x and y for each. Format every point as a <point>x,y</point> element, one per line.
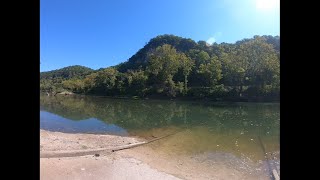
<point>53,122</point>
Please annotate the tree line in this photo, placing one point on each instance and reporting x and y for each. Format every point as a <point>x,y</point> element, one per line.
<point>172,66</point>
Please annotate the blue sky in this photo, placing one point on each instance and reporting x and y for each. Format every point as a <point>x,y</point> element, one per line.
<point>102,33</point>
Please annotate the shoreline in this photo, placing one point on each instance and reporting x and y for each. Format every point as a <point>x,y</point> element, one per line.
<point>142,162</point>
<point>94,165</point>
<point>193,99</point>
<point>60,141</point>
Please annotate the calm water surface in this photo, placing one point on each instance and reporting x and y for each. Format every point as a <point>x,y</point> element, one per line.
<point>248,131</point>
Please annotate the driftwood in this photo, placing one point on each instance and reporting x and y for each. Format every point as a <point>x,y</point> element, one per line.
<point>271,170</point>
<point>275,174</point>
<point>139,144</point>
<point>73,153</point>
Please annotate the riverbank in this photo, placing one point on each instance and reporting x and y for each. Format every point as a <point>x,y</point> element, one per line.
<point>142,162</point>
<point>103,165</point>
<point>258,99</point>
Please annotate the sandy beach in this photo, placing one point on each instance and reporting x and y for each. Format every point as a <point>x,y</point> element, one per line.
<point>105,165</point>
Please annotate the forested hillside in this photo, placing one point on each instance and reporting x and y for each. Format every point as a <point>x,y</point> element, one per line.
<point>67,72</point>
<point>172,66</point>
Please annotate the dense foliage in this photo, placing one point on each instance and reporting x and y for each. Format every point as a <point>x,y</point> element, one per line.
<point>54,80</point>
<point>172,66</point>
<point>67,72</point>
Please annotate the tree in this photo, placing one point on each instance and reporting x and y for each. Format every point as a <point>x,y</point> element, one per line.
<point>186,64</point>
<point>90,83</point>
<point>75,85</point>
<point>106,81</point>
<point>211,71</point>
<point>120,86</point>
<point>262,62</point>
<point>199,56</point>
<point>163,63</point>
<point>235,70</point>
<point>137,82</point>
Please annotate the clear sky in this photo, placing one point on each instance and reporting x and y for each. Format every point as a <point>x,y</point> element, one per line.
<point>102,33</point>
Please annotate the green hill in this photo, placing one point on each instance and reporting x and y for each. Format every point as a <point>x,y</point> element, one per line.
<point>173,66</point>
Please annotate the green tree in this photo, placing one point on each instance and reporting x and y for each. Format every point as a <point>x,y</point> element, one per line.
<point>186,65</point>
<point>90,83</point>
<point>235,70</point>
<point>75,85</point>
<point>262,62</point>
<point>199,56</point>
<point>137,82</point>
<point>106,81</point>
<point>211,71</point>
<point>163,63</point>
